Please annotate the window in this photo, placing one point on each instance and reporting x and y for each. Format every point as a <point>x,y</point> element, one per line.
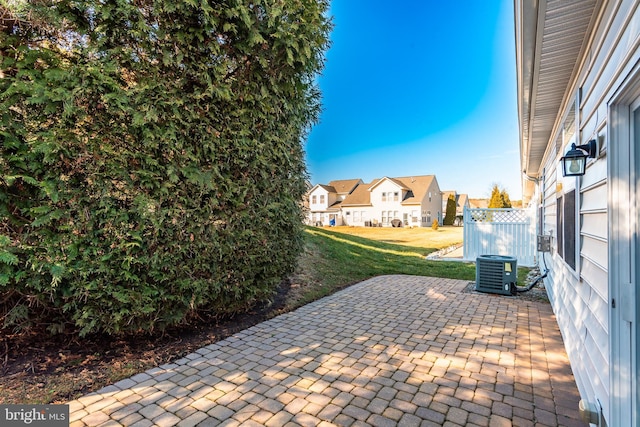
<point>414,216</point>
<point>395,215</point>
<point>428,217</point>
<point>322,198</point>
<point>384,197</point>
<point>384,217</point>
<point>395,196</point>
<point>566,228</point>
<point>314,199</point>
<point>429,195</point>
<point>542,202</point>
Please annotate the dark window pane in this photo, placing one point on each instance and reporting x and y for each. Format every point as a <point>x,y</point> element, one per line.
<point>559,229</point>
<point>570,229</point>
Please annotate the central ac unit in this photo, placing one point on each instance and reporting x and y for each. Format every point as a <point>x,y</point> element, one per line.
<point>496,274</point>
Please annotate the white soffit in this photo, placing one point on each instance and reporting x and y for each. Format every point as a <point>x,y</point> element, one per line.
<point>550,36</point>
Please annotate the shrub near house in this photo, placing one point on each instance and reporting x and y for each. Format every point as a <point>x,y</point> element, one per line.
<point>151,164</point>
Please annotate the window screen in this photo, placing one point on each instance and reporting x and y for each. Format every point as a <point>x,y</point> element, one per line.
<point>570,229</point>
<point>566,228</point>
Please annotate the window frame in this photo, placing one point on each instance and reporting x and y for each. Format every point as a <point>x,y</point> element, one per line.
<point>566,229</point>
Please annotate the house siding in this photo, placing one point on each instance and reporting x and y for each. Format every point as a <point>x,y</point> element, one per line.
<point>580,297</point>
<point>418,197</point>
<point>433,205</point>
<point>321,211</point>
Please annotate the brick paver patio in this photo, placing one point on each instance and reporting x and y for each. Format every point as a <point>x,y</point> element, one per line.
<point>393,350</point>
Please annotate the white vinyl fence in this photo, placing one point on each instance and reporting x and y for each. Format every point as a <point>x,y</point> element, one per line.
<point>510,232</point>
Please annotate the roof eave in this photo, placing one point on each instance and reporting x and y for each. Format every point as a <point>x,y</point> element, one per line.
<point>551,38</point>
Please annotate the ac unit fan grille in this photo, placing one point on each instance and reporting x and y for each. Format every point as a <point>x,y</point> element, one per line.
<point>492,276</point>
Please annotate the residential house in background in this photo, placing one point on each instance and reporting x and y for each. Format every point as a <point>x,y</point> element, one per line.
<point>478,203</point>
<point>578,69</point>
<point>462,201</point>
<point>413,201</point>
<point>324,201</point>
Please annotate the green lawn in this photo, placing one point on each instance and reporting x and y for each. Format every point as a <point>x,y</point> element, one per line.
<point>336,257</point>
<point>425,237</point>
<point>348,258</point>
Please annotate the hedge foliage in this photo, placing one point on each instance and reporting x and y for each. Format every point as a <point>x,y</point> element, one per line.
<point>450,213</point>
<point>151,163</point>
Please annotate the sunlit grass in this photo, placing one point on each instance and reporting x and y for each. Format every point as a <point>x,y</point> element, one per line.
<point>371,247</point>
<point>333,259</point>
<point>417,237</point>
<point>338,256</point>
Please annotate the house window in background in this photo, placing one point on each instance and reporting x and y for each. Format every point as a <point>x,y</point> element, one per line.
<point>428,217</point>
<point>322,198</point>
<point>384,197</point>
<point>384,217</point>
<point>429,195</point>
<point>414,216</point>
<point>314,199</point>
<point>395,196</point>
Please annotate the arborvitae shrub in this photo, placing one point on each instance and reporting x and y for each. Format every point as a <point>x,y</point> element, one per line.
<point>450,213</point>
<point>151,165</point>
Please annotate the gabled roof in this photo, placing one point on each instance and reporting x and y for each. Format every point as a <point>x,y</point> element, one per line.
<point>416,188</point>
<point>327,188</point>
<point>461,199</point>
<point>345,186</point>
<point>446,194</point>
<point>386,178</point>
<point>361,196</point>
<point>419,186</point>
<point>479,203</point>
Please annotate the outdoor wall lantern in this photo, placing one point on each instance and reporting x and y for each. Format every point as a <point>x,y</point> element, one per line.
<point>575,161</point>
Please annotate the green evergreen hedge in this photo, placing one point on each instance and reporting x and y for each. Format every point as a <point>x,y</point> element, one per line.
<point>450,213</point>
<point>151,163</point>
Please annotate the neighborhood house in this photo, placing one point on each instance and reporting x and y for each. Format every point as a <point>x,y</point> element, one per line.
<point>462,202</point>
<point>407,201</point>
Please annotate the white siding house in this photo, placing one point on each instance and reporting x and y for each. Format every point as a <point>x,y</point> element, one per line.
<point>324,201</point>
<point>578,68</point>
<point>415,201</point>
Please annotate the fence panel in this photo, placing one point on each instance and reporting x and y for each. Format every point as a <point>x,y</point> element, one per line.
<point>508,232</point>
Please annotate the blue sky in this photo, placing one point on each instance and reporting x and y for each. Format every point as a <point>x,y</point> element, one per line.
<point>420,87</point>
